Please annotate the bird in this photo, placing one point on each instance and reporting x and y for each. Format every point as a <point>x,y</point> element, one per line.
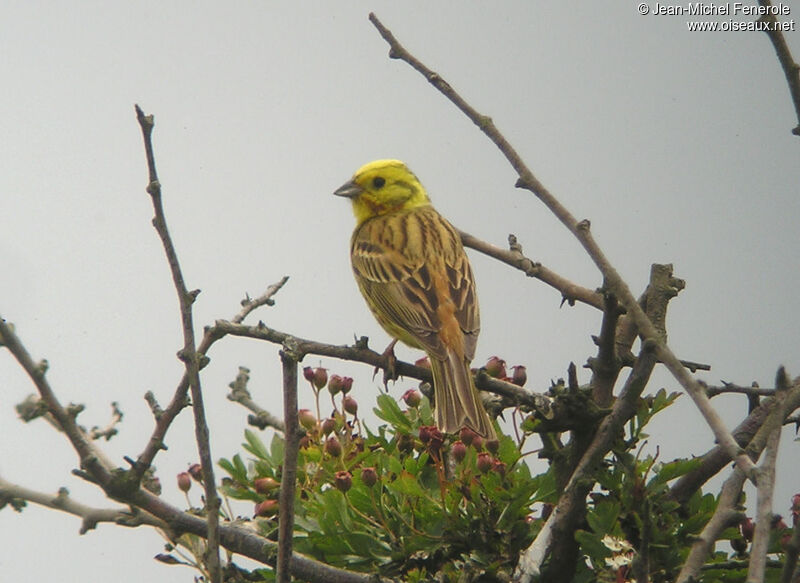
<point>411,267</point>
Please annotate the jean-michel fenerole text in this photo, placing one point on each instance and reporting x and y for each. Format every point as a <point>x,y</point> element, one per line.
<point>721,9</point>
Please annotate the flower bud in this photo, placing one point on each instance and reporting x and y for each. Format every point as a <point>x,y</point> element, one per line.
<point>477,442</point>
<point>369,476</point>
<point>467,435</point>
<point>496,367</point>
<point>184,481</point>
<point>459,451</point>
<point>347,384</point>
<point>519,377</point>
<point>308,374</point>
<point>343,481</point>
<point>266,508</point>
<point>485,462</point>
<point>499,467</point>
<point>412,398</point>
<point>265,485</point>
<point>492,445</point>
<point>335,384</point>
<point>425,432</point>
<point>333,447</point>
<point>307,419</point>
<point>350,405</point>
<point>328,425</point>
<point>196,472</point>
<point>436,440</point>
<point>320,377</point>
<point>423,363</point>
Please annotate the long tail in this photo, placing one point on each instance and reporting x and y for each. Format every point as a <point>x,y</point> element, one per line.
<point>457,402</point>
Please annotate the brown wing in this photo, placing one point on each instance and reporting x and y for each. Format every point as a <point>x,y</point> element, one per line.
<point>408,265</point>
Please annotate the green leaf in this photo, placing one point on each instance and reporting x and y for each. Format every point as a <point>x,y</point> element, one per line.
<point>390,411</point>
<point>255,446</point>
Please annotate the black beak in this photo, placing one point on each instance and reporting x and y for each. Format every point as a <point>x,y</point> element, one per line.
<point>349,190</point>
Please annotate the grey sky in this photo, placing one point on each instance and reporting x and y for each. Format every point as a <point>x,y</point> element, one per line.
<point>676,145</point>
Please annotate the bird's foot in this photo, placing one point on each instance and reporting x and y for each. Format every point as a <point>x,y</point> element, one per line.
<point>388,365</point>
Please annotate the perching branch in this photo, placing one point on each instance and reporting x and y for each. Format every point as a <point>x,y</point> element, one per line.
<point>359,352</point>
<point>581,230</point>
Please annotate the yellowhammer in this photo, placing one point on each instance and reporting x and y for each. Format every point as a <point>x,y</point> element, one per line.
<point>412,269</point>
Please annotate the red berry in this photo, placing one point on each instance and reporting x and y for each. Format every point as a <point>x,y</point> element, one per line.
<point>347,384</point>
<point>467,435</point>
<point>266,508</point>
<point>343,481</point>
<point>265,485</point>
<point>335,384</point>
<point>184,481</point>
<point>196,472</point>
<point>307,419</point>
<point>423,362</point>
<point>320,377</point>
<point>412,398</point>
<point>350,405</point>
<point>369,476</point>
<point>519,377</point>
<point>485,462</point>
<point>328,425</point>
<point>333,447</point>
<point>496,367</point>
<point>459,451</point>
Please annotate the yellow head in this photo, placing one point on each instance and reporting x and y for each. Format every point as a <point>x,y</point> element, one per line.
<point>381,187</point>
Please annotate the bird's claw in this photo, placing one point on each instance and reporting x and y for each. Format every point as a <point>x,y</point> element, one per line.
<point>388,365</point>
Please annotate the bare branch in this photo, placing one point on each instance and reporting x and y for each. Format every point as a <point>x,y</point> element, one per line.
<point>188,354</point>
<point>766,482</point>
<point>570,292</point>
<point>261,418</point>
<point>265,299</point>
<point>289,474</point>
<point>90,517</point>
<point>726,514</point>
<point>790,68</point>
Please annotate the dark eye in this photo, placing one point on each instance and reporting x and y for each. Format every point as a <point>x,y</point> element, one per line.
<point>378,181</point>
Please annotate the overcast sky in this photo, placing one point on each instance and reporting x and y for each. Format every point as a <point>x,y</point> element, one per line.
<point>676,146</point>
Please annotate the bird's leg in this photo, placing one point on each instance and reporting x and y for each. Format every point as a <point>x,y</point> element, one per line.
<point>388,365</point>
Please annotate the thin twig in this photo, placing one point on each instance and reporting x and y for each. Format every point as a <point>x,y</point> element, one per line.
<point>289,362</point>
<point>570,292</point>
<point>265,299</point>
<point>165,417</point>
<point>188,354</point>
<point>790,68</point>
<point>90,516</point>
